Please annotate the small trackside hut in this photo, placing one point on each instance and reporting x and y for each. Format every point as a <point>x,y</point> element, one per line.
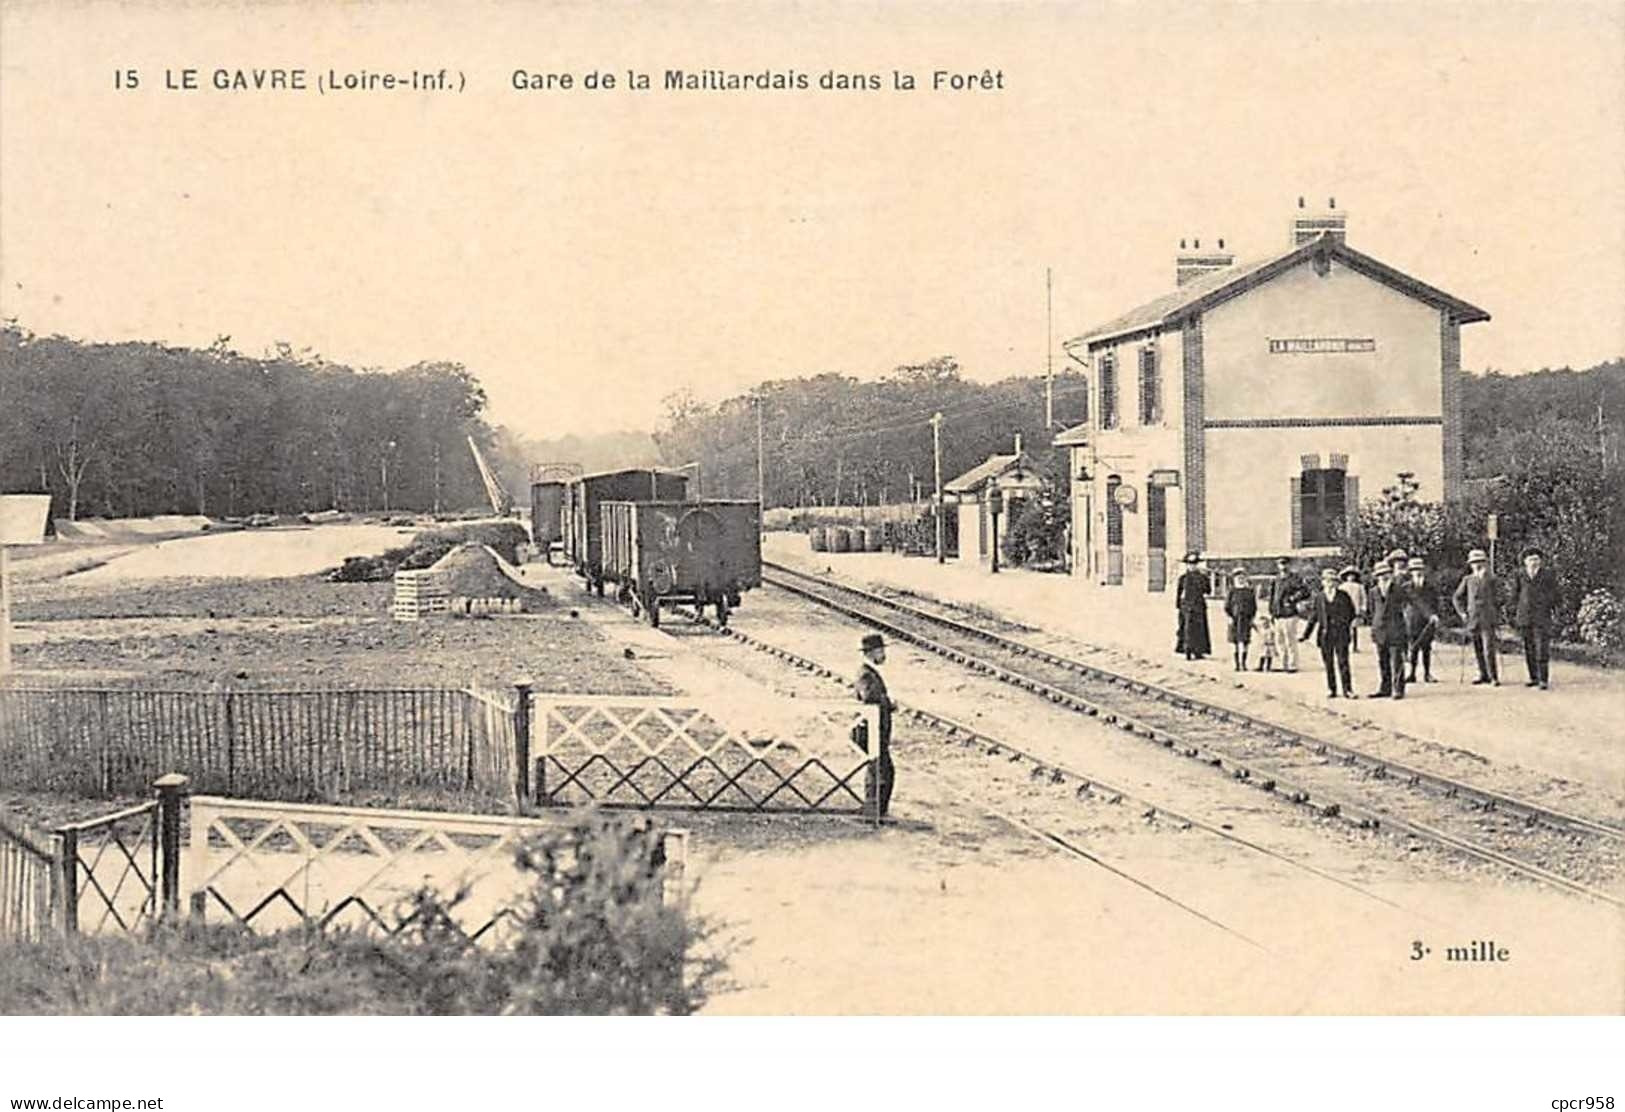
<point>582,511</point>
<point>701,553</point>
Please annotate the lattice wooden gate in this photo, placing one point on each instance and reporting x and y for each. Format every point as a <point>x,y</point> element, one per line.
<point>675,751</point>
<point>274,865</point>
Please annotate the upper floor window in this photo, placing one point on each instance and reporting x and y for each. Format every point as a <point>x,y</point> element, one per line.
<point>1150,388</point>
<point>1108,390</point>
<point>1323,504</point>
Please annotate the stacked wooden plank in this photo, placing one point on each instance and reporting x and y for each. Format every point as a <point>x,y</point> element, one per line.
<point>418,594</point>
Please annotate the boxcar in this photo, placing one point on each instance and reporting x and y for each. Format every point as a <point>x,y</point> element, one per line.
<point>705,553</point>
<point>583,497</point>
<point>546,516</point>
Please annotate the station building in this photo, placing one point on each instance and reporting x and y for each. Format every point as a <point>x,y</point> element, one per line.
<point>1240,414</point>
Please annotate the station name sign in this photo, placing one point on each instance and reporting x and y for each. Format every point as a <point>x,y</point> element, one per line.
<point>1320,346</point>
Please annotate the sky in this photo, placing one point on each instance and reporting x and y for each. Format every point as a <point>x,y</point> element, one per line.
<point>586,253</point>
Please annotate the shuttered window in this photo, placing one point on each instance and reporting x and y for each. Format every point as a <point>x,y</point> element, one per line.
<point>1322,505</point>
<point>1108,391</point>
<point>1150,388</point>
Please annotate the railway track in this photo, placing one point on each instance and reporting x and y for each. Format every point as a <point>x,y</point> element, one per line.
<point>1335,780</point>
<point>1081,785</point>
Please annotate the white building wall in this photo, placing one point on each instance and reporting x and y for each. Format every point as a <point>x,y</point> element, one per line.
<point>1243,379</point>
<point>1250,472</point>
<point>1132,451</point>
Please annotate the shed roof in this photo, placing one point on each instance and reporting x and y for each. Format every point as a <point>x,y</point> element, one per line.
<point>1219,286</point>
<point>1074,437</point>
<point>991,468</point>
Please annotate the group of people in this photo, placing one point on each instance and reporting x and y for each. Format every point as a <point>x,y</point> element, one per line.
<point>1401,607</point>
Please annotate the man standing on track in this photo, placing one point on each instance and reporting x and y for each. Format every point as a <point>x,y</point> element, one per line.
<point>1475,601</point>
<point>1534,597</point>
<point>1389,632</point>
<point>1285,594</point>
<point>1331,621</point>
<point>871,690</point>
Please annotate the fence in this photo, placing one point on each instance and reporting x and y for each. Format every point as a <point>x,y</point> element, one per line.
<point>28,876</point>
<point>271,866</point>
<point>115,873</point>
<point>276,744</point>
<point>723,754</point>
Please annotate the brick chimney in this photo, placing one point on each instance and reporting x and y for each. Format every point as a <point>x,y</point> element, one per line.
<point>1193,261</point>
<point>1307,226</point>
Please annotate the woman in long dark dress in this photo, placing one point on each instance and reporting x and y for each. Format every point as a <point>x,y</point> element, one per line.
<point>1190,601</point>
<point>1241,606</point>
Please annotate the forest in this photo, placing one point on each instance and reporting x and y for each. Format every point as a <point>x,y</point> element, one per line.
<point>127,429</point>
<point>131,429</point>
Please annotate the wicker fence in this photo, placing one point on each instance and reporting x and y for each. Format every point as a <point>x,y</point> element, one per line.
<point>290,745</point>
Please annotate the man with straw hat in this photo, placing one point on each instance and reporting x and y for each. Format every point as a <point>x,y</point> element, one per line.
<point>1331,619</point>
<point>1422,615</point>
<point>1534,598</point>
<point>1389,632</point>
<point>1477,602</point>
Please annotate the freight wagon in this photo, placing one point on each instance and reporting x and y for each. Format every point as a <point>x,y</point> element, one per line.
<point>583,497</point>
<point>704,553</point>
<point>546,516</point>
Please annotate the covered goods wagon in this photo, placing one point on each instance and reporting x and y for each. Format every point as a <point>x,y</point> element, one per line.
<point>661,552</point>
<point>583,499</point>
<point>547,515</point>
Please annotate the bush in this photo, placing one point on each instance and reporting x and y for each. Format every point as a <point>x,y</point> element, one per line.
<point>1602,620</point>
<point>594,936</point>
<point>1036,535</point>
<point>427,547</point>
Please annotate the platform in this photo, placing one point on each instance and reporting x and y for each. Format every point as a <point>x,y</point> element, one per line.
<point>1573,732</point>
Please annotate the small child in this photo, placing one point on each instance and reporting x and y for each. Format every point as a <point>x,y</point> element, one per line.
<point>1264,634</point>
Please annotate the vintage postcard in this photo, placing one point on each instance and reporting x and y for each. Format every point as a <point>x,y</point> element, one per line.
<point>943,508</point>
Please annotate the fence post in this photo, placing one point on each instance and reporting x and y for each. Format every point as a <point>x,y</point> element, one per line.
<point>170,788</point>
<point>67,859</point>
<point>521,743</point>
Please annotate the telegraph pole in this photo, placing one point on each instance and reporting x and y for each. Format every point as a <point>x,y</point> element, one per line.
<point>761,486</point>
<point>1049,352</point>
<point>936,453</point>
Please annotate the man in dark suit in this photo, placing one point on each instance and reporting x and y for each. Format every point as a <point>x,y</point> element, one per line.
<point>871,689</point>
<point>1534,597</point>
<point>1331,620</point>
<point>1475,600</point>
<point>1389,631</point>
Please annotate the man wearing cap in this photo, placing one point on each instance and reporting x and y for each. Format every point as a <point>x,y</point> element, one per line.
<point>1421,617</point>
<point>1475,600</point>
<point>871,689</point>
<point>1285,594</point>
<point>1389,631</point>
<point>1331,619</point>
<point>1190,600</point>
<point>1534,597</point>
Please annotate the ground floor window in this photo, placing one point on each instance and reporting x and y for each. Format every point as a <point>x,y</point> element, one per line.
<point>1322,503</point>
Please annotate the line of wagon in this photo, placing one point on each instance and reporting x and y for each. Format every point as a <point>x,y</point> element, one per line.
<point>637,530</point>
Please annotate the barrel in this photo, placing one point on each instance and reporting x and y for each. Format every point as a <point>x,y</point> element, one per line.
<point>875,539</point>
<point>818,536</point>
<point>840,539</point>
